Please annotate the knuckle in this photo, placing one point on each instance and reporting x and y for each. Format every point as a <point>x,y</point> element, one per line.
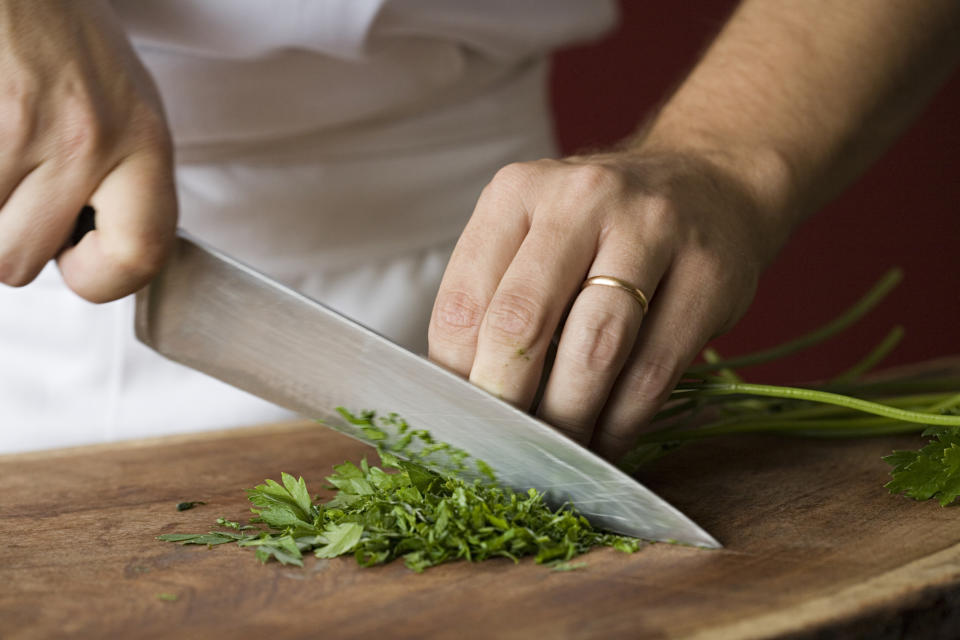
<point>457,316</point>
<point>661,219</point>
<point>83,132</point>
<point>620,437</point>
<point>512,174</point>
<point>653,379</point>
<point>599,344</point>
<point>137,258</point>
<point>574,428</point>
<point>510,180</point>
<point>595,179</point>
<point>514,319</point>
<point>23,88</point>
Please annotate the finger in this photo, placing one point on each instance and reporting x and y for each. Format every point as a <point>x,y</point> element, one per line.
<point>18,159</point>
<point>11,177</point>
<point>485,249</point>
<point>136,224</point>
<point>599,334</point>
<point>37,218</point>
<point>530,300</point>
<point>682,321</point>
<point>13,171</point>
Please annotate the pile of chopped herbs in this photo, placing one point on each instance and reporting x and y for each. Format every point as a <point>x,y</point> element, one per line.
<point>414,513</point>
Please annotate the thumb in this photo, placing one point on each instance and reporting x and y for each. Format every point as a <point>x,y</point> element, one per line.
<point>135,225</point>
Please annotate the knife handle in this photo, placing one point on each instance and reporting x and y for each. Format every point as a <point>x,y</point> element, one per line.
<point>85,224</point>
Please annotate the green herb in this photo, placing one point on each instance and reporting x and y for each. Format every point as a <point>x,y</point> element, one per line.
<point>931,472</point>
<point>169,597</point>
<point>186,506</point>
<point>209,539</point>
<point>412,512</point>
<point>393,434</point>
<point>846,406</point>
<point>223,522</point>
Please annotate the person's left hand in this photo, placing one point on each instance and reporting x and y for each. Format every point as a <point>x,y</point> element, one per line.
<point>685,233</point>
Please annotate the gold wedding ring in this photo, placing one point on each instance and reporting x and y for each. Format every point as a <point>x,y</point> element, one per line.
<point>610,281</point>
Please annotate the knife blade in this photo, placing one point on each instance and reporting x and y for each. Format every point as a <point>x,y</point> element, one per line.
<point>212,313</point>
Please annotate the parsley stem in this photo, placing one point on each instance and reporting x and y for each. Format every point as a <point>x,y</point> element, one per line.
<point>945,405</point>
<point>785,410</point>
<point>850,316</point>
<point>772,424</point>
<point>711,356</point>
<point>824,397</point>
<point>872,359</point>
<point>943,382</point>
<point>823,420</point>
<point>919,402</point>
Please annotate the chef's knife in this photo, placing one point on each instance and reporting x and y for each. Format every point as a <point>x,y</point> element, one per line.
<point>214,314</point>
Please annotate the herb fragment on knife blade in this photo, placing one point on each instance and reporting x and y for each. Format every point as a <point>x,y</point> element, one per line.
<point>414,513</point>
<point>393,434</point>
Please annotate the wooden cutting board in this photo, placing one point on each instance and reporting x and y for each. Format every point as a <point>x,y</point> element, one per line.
<point>815,547</point>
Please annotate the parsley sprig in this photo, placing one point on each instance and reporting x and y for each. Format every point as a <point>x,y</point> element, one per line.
<point>714,400</point>
<point>931,472</point>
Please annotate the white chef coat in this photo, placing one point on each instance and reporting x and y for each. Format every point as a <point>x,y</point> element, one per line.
<point>336,145</point>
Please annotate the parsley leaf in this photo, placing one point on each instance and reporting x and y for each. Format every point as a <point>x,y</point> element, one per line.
<point>341,539</point>
<point>931,472</point>
<point>281,547</point>
<point>284,506</point>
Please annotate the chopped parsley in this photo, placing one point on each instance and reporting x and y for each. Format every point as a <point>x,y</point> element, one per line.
<point>408,511</point>
<point>186,506</point>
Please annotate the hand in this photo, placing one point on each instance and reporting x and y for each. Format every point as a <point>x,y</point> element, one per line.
<point>80,123</point>
<point>676,226</point>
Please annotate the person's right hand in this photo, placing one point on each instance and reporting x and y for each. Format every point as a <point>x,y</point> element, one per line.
<point>80,123</point>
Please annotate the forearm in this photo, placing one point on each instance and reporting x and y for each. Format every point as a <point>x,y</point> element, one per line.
<point>798,98</point>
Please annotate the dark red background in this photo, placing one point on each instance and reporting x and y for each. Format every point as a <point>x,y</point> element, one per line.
<point>905,211</point>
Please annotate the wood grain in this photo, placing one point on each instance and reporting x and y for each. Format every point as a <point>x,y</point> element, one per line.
<point>815,547</point>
